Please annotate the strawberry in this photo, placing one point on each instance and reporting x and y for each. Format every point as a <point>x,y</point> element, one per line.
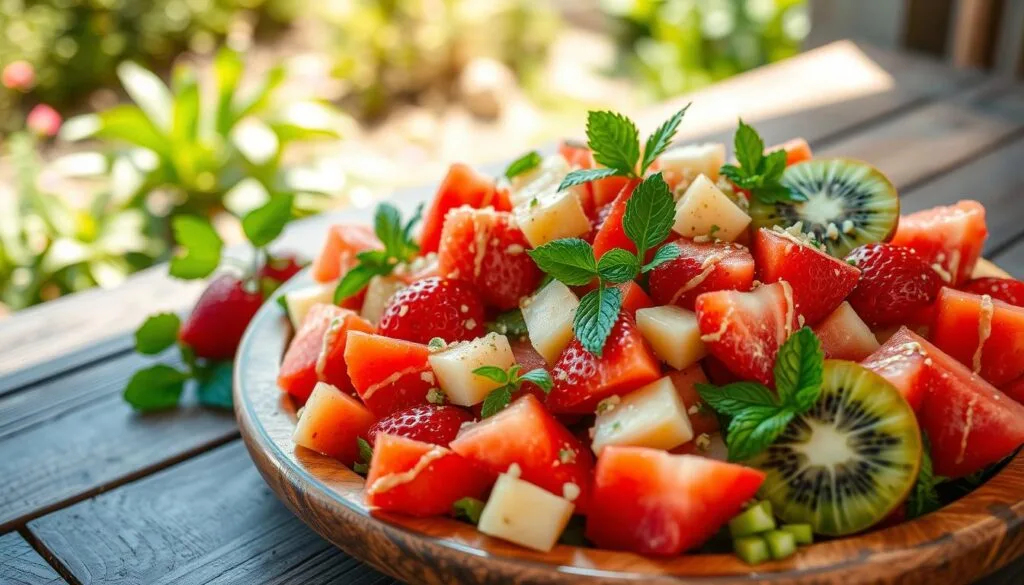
<point>820,282</point>
<point>949,238</point>
<point>582,379</point>
<point>220,317</point>
<point>700,268</point>
<point>433,307</point>
<point>612,234</point>
<point>896,285</point>
<point>437,425</point>
<point>484,248</point>
<point>745,329</point>
<point>280,268</point>
<point>1008,290</point>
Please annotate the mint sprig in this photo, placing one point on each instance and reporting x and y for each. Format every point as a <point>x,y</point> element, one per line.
<point>615,143</point>
<point>362,465</point>
<point>510,381</point>
<point>468,509</point>
<point>523,164</point>
<point>924,497</point>
<point>399,247</point>
<point>760,416</point>
<point>758,173</point>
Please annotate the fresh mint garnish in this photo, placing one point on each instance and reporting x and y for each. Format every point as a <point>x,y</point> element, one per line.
<point>158,333</point>
<point>758,173</point>
<point>200,248</point>
<point>523,164</point>
<point>399,246</point>
<point>362,466</point>
<point>468,509</point>
<point>924,497</point>
<point>510,381</point>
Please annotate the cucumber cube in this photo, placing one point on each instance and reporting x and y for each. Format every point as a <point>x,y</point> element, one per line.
<point>803,533</point>
<point>755,520</point>
<point>752,550</point>
<point>781,544</point>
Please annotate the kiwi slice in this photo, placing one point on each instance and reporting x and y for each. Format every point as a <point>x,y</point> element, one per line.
<point>849,203</point>
<point>849,461</point>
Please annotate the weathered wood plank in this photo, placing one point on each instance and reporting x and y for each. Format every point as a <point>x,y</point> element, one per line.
<point>211,520</point>
<point>20,565</point>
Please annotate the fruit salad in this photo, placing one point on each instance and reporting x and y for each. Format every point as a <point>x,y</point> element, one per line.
<point>656,348</point>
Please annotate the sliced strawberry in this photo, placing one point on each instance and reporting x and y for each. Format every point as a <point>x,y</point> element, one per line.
<point>214,328</point>
<point>331,423</point>
<point>612,234</point>
<point>461,186</point>
<point>316,352</point>
<point>950,238</point>
<point>717,372</point>
<point>896,286</point>
<point>280,268</point>
<point>437,425</point>
<point>1008,290</point>
<point>820,282</point>
<point>703,420</point>
<point>648,501</point>
<point>745,329</point>
<point>388,374</point>
<point>486,249</point>
<point>700,268</point>
<point>582,379</point>
<point>1015,389</point>
<point>338,255</point>
<point>434,307</point>
<point>984,334</point>
<point>421,479</point>
<point>797,150</point>
<point>525,434</point>
<point>633,298</point>
<point>844,336</point>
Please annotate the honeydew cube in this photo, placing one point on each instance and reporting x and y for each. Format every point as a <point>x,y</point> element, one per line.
<point>653,416</point>
<point>524,514</point>
<point>543,179</point>
<point>378,292</point>
<point>548,315</point>
<point>552,216</point>
<point>454,367</point>
<point>673,333</point>
<point>300,301</point>
<point>694,159</point>
<point>704,209</point>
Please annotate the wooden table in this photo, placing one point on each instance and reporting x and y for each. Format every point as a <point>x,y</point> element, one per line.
<point>92,493</point>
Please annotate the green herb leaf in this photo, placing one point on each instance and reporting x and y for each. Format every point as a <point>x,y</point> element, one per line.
<point>581,176</point>
<point>493,373</point>
<point>540,377</point>
<point>748,147</point>
<point>523,164</point>
<point>569,260</point>
<point>387,224</point>
<point>614,140</point>
<point>924,497</point>
<point>496,401</point>
<point>732,399</point>
<point>399,246</point>
<point>661,138</point>
<point>666,253</point>
<point>158,333</point>
<point>734,174</point>
<point>468,509</point>
<point>754,429</point>
<point>411,247</point>
<point>509,323</point>
<point>596,315</point>
<point>799,367</point>
<point>357,279</point>
<point>618,266</point>
<point>362,466</point>
<point>155,388</point>
<point>201,248</point>
<point>773,165</point>
<point>215,391</point>
<point>649,215</point>
<point>263,224</point>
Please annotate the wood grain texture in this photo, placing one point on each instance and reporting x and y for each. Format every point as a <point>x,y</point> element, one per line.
<point>965,541</point>
<point>211,520</point>
<point>20,565</point>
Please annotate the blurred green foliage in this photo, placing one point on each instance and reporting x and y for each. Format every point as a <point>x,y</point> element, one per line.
<point>674,46</point>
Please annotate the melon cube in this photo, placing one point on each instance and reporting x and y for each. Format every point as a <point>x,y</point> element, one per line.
<point>673,333</point>
<point>691,160</point>
<point>552,216</point>
<point>300,301</point>
<point>525,514</point>
<point>330,423</point>
<point>548,316</point>
<point>704,209</point>
<point>378,292</point>
<point>653,416</point>
<point>454,367</point>
<point>543,179</point>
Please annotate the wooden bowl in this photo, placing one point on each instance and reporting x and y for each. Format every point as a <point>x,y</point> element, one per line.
<point>964,541</point>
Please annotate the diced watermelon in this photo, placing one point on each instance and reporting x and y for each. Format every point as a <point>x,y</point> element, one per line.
<point>950,238</point>
<point>582,379</point>
<point>845,336</point>
<point>797,150</point>
<point>461,186</point>
<point>612,234</point>
<point>331,422</point>
<point>526,435</point>
<point>420,479</point>
<point>309,359</point>
<point>745,329</point>
<point>633,298</point>
<point>388,374</point>
<point>333,368</point>
<point>651,502</point>
<point>338,254</point>
<point>604,191</point>
<point>902,361</point>
<point>703,420</point>
<point>986,335</point>
<point>700,268</point>
<point>820,282</point>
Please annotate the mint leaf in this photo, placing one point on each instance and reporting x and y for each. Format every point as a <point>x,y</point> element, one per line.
<point>200,248</point>
<point>492,373</point>
<point>216,389</point>
<point>732,399</point>
<point>569,260</point>
<point>596,315</point>
<point>773,165</point>
<point>509,323</point>
<point>734,174</point>
<point>362,465</point>
<point>614,140</point>
<point>410,242</point>
<point>523,164</point>
<point>650,212</point>
<point>924,497</point>
<point>387,224</point>
<point>540,377</point>
<point>263,224</point>
<point>666,253</point>
<point>357,279</point>
<point>581,176</point>
<point>798,370</point>
<point>158,333</point>
<point>468,509</point>
<point>661,139</point>
<point>496,401</point>
<point>618,266</point>
<point>155,388</point>
<point>748,147</point>
<point>754,429</point>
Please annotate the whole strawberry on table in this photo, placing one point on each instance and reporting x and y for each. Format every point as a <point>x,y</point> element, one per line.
<point>538,355</point>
